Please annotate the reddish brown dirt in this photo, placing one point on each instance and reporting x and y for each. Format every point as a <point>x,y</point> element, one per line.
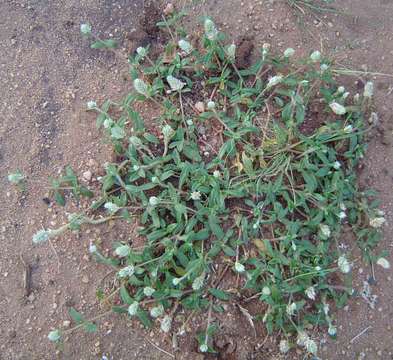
<point>48,73</point>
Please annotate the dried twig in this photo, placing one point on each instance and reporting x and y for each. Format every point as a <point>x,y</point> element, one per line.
<point>159,349</point>
<point>26,277</point>
<point>360,334</point>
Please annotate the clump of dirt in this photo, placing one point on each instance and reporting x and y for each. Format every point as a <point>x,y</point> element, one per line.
<point>245,47</point>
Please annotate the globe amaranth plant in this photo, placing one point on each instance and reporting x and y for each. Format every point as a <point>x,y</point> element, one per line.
<point>249,173</point>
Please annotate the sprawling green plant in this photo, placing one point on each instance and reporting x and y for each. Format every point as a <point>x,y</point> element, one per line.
<point>248,174</point>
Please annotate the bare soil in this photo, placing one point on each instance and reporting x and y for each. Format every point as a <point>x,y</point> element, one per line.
<point>48,72</point>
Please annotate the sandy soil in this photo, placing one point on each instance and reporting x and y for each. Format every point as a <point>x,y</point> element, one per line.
<point>48,73</point>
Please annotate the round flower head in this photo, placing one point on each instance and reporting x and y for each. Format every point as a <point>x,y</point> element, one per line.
<point>111,207</point>
<point>343,264</point>
<point>133,308</point>
<point>176,281</point>
<point>266,291</point>
<point>54,335</point>
<point>196,195</point>
<point>148,291</point>
<point>324,67</point>
<point>311,346</point>
<point>189,122</point>
<point>108,123</point>
<point>126,272</point>
<point>122,250</point>
<point>315,56</point>
<point>166,324</point>
<point>91,105</point>
<point>231,51</point>
<point>284,346</point>
<point>336,165</point>
<point>141,87</point>
<point>348,129</point>
<point>210,30</point>
<point>368,89</point>
<point>377,222</point>
<point>153,200</point>
<point>156,311</point>
<point>291,308</point>
<point>341,89</point>
<point>325,230</point>
<point>85,29</point>
<point>211,105</point>
<point>175,84</point>
<point>197,284</point>
<point>332,330</point>
<point>337,108</point>
<point>310,292</point>
<point>289,52</point>
<point>383,262</point>
<point>216,174</point>
<point>239,267</point>
<point>15,178</point>
<point>203,348</point>
<point>274,81</point>
<point>141,51</point>
<point>167,131</point>
<point>302,337</point>
<point>92,249</point>
<point>185,46</point>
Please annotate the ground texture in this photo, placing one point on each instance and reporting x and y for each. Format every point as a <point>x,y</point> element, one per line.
<point>48,73</point>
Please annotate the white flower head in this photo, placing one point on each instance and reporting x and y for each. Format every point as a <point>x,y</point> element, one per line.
<point>302,337</point>
<point>154,201</point>
<point>368,89</point>
<point>266,290</point>
<point>133,308</point>
<point>311,346</point>
<point>326,309</point>
<point>91,105</point>
<point>176,281</point>
<point>336,165</point>
<point>315,56</point>
<point>126,271</point>
<point>348,129</point>
<point>377,222</point>
<point>211,105</point>
<point>284,346</point>
<point>122,250</point>
<point>239,267</point>
<point>342,215</point>
<point>289,52</point>
<point>141,87</point>
<point>198,282</point>
<point>54,335</point>
<point>196,195</point>
<point>156,311</point>
<point>325,230</point>
<point>311,293</point>
<point>167,131</point>
<point>341,89</point>
<point>148,291</point>
<point>175,84</point>
<point>92,249</point>
<point>337,108</point>
<point>108,123</point>
<point>274,81</point>
<point>189,122</point>
<point>343,264</point>
<point>324,67</point>
<point>111,207</point>
<point>231,51</point>
<point>216,174</point>
<point>291,308</point>
<point>383,262</point>
<point>332,330</point>
<point>203,348</point>
<point>41,236</point>
<point>85,29</point>
<point>345,95</point>
<point>211,31</point>
<point>185,46</point>
<point>166,324</point>
<point>141,51</point>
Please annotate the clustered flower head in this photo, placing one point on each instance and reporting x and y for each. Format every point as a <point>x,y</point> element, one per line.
<point>274,81</point>
<point>196,195</point>
<point>368,89</point>
<point>156,311</point>
<point>315,56</point>
<point>291,308</point>
<point>85,29</point>
<point>185,46</point>
<point>304,340</point>
<point>289,52</point>
<point>126,271</point>
<point>153,200</point>
<point>377,222</point>
<point>148,291</point>
<point>343,264</point>
<point>15,178</point>
<point>198,282</point>
<point>141,87</point>
<point>111,207</point>
<point>311,293</point>
<point>91,105</point>
<point>166,324</point>
<point>211,105</point>
<point>337,108</point>
<point>167,132</point>
<point>203,348</point>
<point>239,267</point>
<point>141,51</point>
<point>54,335</point>
<point>284,346</point>
<point>41,236</point>
<point>133,308</point>
<point>175,84</point>
<point>211,31</point>
<point>231,51</point>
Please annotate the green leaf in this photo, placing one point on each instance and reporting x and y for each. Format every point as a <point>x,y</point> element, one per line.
<point>75,315</point>
<point>90,327</point>
<point>104,44</point>
<point>125,296</point>
<point>215,227</point>
<point>219,294</point>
